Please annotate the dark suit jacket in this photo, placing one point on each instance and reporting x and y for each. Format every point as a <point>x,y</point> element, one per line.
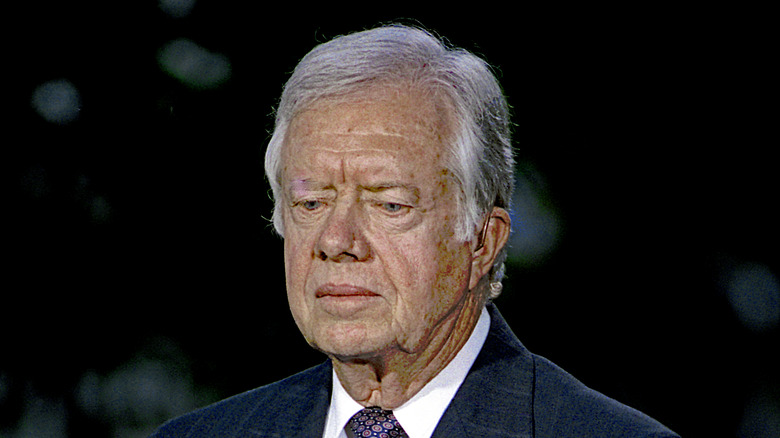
<point>509,392</point>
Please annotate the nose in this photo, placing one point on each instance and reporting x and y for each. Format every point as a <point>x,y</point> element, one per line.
<point>342,239</point>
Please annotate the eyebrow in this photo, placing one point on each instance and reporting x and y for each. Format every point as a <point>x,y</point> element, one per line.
<point>385,186</point>
<point>309,184</point>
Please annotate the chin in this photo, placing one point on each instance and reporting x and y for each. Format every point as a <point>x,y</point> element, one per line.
<point>352,341</point>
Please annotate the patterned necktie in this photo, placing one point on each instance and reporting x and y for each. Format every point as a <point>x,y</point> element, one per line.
<point>375,422</point>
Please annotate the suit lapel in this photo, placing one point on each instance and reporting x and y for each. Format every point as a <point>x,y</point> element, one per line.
<point>495,399</point>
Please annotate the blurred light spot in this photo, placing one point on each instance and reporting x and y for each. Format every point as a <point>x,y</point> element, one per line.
<point>177,8</point>
<point>147,392</point>
<point>87,394</point>
<point>535,222</point>
<point>42,417</point>
<point>57,101</point>
<point>761,418</point>
<point>193,65</point>
<point>154,386</point>
<point>754,294</point>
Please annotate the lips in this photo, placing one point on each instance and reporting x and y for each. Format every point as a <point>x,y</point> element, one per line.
<point>345,301</point>
<point>343,291</point>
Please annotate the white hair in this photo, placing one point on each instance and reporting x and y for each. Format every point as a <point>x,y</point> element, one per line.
<point>480,152</point>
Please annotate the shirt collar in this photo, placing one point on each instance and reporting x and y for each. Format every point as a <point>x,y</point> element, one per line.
<point>420,415</point>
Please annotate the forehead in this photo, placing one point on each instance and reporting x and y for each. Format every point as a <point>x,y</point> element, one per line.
<point>385,120</point>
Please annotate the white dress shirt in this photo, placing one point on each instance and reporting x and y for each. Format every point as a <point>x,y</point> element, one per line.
<point>420,415</point>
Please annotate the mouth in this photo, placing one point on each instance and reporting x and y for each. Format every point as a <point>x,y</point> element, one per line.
<point>344,291</point>
<point>346,301</point>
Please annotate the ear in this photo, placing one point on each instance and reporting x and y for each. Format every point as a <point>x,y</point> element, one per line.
<point>487,246</point>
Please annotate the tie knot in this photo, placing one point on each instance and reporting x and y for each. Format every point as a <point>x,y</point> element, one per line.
<point>375,422</point>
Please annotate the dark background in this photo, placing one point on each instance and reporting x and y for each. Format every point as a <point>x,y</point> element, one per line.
<point>140,268</point>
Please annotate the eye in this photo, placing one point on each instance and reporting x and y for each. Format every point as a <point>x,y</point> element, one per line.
<point>311,205</point>
<point>392,207</point>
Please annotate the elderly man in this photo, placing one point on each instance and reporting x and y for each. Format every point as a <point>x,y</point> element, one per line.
<point>392,170</point>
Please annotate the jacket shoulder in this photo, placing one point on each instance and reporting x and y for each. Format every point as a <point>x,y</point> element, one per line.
<point>250,408</point>
<point>565,407</point>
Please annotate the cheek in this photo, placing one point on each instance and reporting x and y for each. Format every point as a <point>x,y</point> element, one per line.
<point>452,256</point>
<point>407,262</point>
<point>296,265</point>
<point>297,252</point>
<point>430,272</point>
<point>454,272</point>
<point>430,285</point>
<point>290,263</point>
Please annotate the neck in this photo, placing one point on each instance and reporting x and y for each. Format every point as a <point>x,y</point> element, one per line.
<point>391,378</point>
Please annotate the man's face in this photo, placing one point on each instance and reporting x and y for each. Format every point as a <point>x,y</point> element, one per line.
<point>371,259</point>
